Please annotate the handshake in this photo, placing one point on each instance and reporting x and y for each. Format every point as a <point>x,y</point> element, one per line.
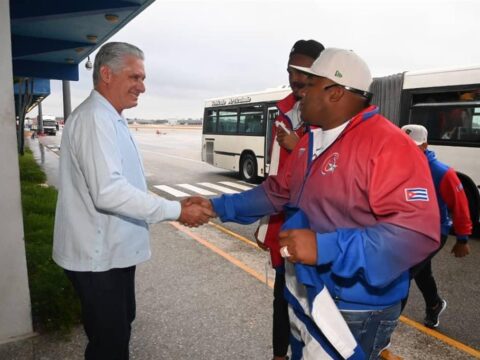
<point>196,211</point>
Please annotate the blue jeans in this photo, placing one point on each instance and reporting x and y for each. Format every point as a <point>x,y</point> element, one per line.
<point>373,329</point>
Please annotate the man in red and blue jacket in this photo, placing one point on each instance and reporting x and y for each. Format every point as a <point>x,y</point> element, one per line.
<point>451,198</point>
<point>369,202</point>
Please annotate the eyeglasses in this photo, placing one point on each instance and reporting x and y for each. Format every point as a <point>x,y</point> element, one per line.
<point>365,94</point>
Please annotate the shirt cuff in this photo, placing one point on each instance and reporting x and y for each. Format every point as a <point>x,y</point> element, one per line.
<point>171,209</point>
<point>327,248</point>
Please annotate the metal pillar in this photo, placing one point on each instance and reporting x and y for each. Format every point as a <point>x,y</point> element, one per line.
<point>40,119</point>
<point>67,103</point>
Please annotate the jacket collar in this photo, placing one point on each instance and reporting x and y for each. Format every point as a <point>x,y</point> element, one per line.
<point>286,104</point>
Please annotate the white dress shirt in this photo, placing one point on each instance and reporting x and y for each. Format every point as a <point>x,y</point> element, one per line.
<point>103,207</point>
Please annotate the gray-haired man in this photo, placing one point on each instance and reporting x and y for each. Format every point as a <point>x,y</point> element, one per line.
<point>103,207</point>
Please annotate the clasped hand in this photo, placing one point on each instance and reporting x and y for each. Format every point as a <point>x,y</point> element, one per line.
<point>196,211</point>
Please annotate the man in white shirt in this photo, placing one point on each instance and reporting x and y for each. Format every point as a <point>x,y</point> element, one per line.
<point>104,208</point>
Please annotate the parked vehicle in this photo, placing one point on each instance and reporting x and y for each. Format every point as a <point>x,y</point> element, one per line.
<point>50,125</point>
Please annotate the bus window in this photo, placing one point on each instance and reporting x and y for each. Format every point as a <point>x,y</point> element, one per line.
<point>227,121</point>
<point>210,122</point>
<point>476,119</point>
<point>448,116</point>
<point>251,120</point>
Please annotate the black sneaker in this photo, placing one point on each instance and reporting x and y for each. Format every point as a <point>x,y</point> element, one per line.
<point>433,314</point>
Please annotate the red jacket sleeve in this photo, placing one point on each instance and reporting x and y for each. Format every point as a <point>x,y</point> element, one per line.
<point>452,192</point>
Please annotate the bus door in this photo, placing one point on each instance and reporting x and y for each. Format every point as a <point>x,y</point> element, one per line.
<point>272,113</point>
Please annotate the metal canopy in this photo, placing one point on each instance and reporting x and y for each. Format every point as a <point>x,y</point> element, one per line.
<point>36,89</point>
<point>51,37</point>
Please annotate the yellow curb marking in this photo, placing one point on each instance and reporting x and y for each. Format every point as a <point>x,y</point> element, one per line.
<point>235,235</point>
<point>449,341</point>
<point>220,252</point>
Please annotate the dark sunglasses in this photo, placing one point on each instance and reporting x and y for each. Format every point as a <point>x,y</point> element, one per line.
<point>365,94</point>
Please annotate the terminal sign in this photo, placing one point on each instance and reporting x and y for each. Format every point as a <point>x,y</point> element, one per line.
<point>232,101</point>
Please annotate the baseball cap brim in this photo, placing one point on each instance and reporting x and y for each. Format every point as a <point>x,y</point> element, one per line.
<point>305,70</point>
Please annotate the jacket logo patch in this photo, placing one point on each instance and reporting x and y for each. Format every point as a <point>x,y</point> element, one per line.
<point>329,164</point>
<point>416,194</point>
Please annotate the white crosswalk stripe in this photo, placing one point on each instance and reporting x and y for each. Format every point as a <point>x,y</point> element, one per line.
<point>220,188</point>
<point>236,185</point>
<point>197,190</point>
<point>171,191</point>
<point>226,187</point>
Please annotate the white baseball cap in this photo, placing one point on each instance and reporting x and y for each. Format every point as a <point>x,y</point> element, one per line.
<point>344,67</point>
<point>417,133</point>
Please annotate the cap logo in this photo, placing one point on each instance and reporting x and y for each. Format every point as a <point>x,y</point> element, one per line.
<point>338,74</point>
<point>408,131</point>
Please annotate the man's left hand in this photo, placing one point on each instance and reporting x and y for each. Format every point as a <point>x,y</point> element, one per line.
<point>287,140</point>
<point>301,244</point>
<point>460,249</point>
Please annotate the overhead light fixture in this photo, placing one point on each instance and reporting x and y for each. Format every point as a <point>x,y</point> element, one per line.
<point>92,38</point>
<point>79,49</point>
<point>111,18</point>
<point>69,60</point>
<point>88,64</point>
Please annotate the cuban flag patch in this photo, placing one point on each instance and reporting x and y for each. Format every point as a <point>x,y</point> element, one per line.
<point>416,194</point>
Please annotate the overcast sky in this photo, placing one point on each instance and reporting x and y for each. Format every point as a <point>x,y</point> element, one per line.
<point>200,49</point>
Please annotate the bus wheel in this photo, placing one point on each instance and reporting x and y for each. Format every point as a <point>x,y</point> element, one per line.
<point>248,168</point>
<point>473,196</point>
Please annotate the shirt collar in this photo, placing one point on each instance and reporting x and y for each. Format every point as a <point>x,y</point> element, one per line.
<point>97,96</point>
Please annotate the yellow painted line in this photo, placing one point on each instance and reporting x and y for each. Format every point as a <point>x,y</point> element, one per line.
<point>235,235</point>
<point>449,341</point>
<point>220,252</point>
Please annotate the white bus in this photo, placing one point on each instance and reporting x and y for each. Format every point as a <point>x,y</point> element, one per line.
<point>447,103</point>
<point>237,131</point>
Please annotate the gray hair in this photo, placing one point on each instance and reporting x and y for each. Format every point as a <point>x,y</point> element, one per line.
<point>112,55</point>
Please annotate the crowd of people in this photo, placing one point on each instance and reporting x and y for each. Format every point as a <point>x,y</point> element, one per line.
<point>356,208</point>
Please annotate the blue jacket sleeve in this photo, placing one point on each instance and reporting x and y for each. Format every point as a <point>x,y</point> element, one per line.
<point>243,208</point>
<point>379,253</point>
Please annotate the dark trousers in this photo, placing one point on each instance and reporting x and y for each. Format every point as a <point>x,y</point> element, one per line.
<point>108,310</point>
<point>281,322</point>
<point>425,280</point>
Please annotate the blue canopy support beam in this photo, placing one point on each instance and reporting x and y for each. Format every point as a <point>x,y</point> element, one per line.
<point>28,45</point>
<point>47,70</point>
<point>22,10</point>
<point>39,90</point>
